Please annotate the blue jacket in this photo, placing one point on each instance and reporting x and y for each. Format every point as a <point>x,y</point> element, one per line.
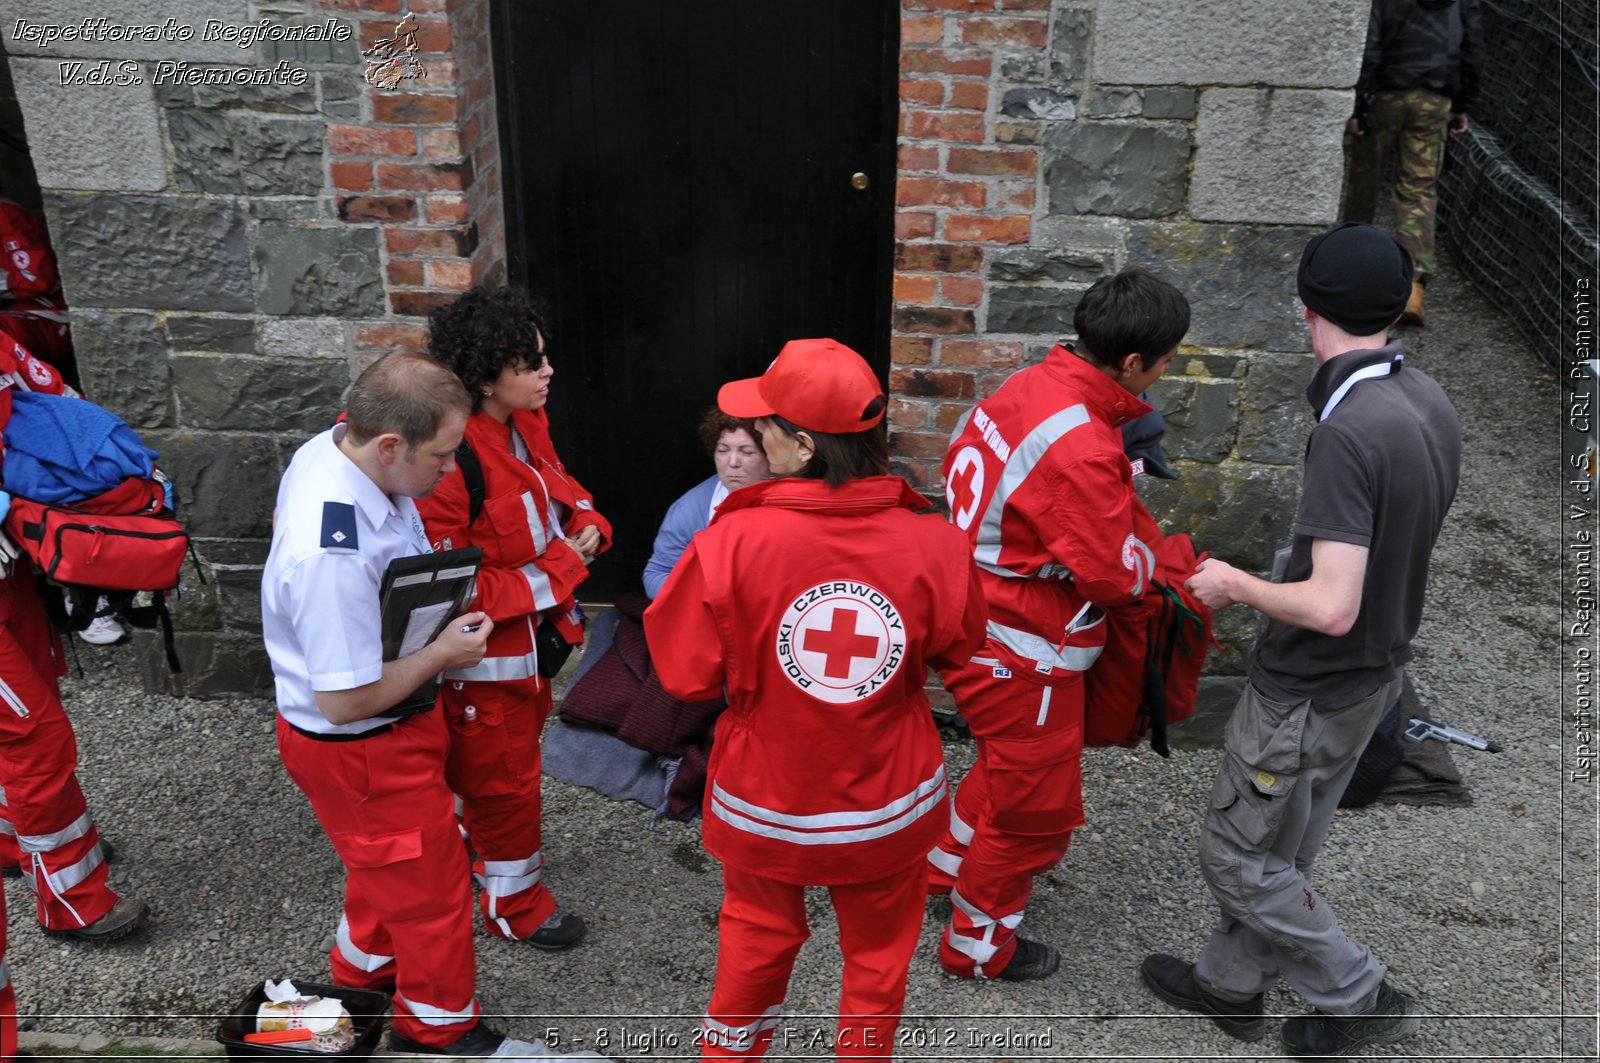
<point>688,515</point>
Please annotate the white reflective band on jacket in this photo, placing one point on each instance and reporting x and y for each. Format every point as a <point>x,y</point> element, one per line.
<point>1040,649</point>
<point>432,1016</point>
<point>49,843</point>
<point>12,700</point>
<point>500,669</point>
<point>980,949</point>
<point>353,953</point>
<point>535,522</point>
<point>1023,459</point>
<point>740,1038</point>
<point>830,828</point>
<point>544,596</point>
<point>505,878</point>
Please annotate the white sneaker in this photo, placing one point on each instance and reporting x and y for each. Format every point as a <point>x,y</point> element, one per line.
<point>102,631</point>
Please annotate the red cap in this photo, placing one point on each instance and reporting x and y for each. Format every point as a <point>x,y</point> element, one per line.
<point>817,384</point>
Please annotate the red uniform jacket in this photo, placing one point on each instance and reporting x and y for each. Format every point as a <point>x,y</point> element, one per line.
<point>819,610</point>
<point>527,568</point>
<point>1037,478</point>
<point>27,264</point>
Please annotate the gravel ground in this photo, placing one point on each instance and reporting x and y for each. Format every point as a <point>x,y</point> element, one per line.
<point>1486,913</point>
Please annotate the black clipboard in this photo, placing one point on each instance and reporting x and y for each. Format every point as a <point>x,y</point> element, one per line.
<point>418,597</point>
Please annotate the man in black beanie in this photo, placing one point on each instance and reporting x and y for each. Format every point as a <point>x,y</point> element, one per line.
<point>1381,469</point>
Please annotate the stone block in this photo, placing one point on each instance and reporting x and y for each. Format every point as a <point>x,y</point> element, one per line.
<point>1161,102</point>
<point>227,484</point>
<point>234,552</point>
<point>279,157</point>
<point>308,209</point>
<point>159,252</point>
<point>1235,631</point>
<point>203,157</point>
<point>1216,366</point>
<point>67,127</point>
<point>1129,169</point>
<point>264,394</point>
<point>214,664</point>
<point>196,606</point>
<point>212,332</point>
<point>1213,705</point>
<point>1098,234</point>
<point>1274,417</point>
<point>1269,155</point>
<point>318,271</point>
<point>1309,43</point>
<point>1240,512</point>
<point>239,592</point>
<point>1032,310</point>
<point>1039,103</point>
<point>1028,68</point>
<point>123,359</point>
<point>293,337</point>
<point>295,99</point>
<point>1114,102</point>
<point>1039,264</point>
<point>1239,280</point>
<point>1069,45</point>
<point>1201,416</point>
<point>168,19</point>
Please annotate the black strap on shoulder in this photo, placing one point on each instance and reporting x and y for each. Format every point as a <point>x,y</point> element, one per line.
<point>472,476</point>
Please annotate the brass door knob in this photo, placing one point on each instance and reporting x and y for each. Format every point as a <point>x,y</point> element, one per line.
<point>859,181</point>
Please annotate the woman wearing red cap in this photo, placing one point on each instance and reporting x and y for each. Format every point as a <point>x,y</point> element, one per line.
<point>818,601</point>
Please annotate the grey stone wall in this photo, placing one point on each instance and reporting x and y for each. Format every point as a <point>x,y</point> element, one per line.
<point>215,292</point>
<point>1198,138</point>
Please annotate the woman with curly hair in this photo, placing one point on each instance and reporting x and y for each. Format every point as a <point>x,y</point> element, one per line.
<point>539,532</point>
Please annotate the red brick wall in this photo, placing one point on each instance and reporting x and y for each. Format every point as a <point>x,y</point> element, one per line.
<point>967,185</point>
<point>423,164</point>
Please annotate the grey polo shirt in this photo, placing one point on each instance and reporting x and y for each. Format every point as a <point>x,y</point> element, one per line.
<point>1381,469</point>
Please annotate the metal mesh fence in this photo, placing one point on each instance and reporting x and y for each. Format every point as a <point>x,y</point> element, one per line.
<point>1517,197</point>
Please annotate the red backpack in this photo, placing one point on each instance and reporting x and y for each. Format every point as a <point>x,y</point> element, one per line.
<point>1148,675</point>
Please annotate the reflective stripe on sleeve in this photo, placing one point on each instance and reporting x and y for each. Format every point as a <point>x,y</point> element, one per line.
<point>353,953</point>
<point>544,596</point>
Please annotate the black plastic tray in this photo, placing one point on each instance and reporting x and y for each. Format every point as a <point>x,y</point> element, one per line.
<point>367,1007</point>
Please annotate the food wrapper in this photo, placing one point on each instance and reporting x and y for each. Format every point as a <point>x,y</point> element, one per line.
<point>286,1009</point>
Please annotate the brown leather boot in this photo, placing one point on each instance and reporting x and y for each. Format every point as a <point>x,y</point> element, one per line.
<point>1414,314</point>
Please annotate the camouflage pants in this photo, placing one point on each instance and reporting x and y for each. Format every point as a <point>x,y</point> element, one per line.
<point>1409,125</point>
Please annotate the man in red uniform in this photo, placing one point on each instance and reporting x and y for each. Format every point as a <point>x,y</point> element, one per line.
<point>1037,477</point>
<point>45,827</point>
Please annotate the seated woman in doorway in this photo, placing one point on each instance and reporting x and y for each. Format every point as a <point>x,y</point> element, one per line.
<point>619,732</point>
<point>539,532</point>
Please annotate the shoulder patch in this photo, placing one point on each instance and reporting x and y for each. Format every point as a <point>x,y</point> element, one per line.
<point>338,526</point>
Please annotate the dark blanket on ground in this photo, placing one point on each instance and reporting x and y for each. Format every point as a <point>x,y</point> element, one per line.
<point>1398,772</point>
<point>620,694</point>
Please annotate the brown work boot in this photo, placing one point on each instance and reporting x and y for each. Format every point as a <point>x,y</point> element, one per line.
<point>1413,313</point>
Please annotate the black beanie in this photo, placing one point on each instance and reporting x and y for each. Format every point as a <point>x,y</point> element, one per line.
<point>1356,276</point>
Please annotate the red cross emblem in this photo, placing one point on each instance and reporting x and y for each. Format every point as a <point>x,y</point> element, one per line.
<point>964,486</point>
<point>841,641</point>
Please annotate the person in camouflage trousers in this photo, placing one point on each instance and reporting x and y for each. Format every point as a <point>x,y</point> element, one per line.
<point>1419,74</point>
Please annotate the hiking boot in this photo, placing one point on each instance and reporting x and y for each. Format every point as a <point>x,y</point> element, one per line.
<point>1032,960</point>
<point>482,1042</point>
<point>15,870</point>
<point>1173,981</point>
<point>1413,313</point>
<point>1319,1036</point>
<point>126,916</point>
<point>561,931</point>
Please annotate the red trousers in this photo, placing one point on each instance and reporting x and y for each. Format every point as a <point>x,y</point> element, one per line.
<point>407,923</point>
<point>44,824</point>
<point>760,931</point>
<point>494,767</point>
<point>1013,814</point>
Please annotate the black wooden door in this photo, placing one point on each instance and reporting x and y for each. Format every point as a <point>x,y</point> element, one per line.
<point>681,186</point>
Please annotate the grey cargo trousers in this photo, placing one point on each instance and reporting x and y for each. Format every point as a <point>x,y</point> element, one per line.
<point>1283,771</point>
